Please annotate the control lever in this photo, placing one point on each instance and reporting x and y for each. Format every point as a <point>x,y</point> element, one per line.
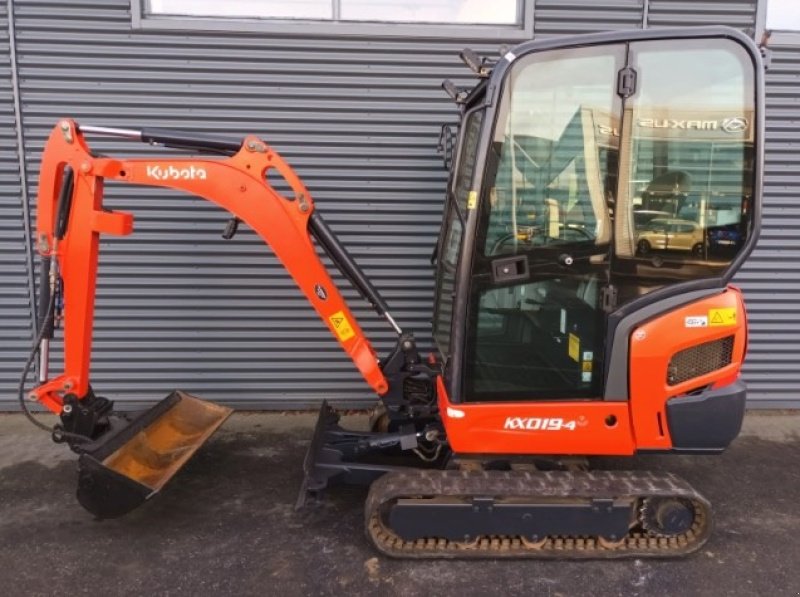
<point>230,228</point>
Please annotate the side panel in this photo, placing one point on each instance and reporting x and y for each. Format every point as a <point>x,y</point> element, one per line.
<point>666,360</point>
<point>683,355</point>
<point>576,427</point>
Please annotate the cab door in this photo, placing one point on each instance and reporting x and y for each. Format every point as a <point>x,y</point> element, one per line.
<point>540,283</point>
<point>585,141</point>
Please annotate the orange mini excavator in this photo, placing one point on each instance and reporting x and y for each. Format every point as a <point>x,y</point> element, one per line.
<point>603,191</point>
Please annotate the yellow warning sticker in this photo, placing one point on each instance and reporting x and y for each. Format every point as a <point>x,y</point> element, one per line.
<point>344,331</point>
<point>472,200</point>
<point>725,316</point>
<point>574,347</point>
<point>587,366</point>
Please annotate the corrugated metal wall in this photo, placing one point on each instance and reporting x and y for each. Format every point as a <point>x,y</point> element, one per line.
<point>680,13</point>
<point>771,278</point>
<point>180,307</point>
<point>359,119</point>
<point>570,17</point>
<point>16,329</point>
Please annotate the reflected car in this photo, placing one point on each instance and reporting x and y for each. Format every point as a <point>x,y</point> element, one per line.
<point>724,237</point>
<point>642,217</point>
<point>667,234</point>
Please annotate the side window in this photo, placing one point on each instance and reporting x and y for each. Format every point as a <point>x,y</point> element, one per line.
<point>451,248</point>
<point>466,162</point>
<point>446,282</point>
<point>684,211</point>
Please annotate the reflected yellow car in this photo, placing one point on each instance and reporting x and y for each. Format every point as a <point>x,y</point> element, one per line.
<point>667,234</point>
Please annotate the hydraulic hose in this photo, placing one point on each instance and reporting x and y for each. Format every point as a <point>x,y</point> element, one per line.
<point>44,327</point>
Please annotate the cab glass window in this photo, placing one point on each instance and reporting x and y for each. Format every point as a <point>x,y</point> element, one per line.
<point>446,283</point>
<point>451,247</point>
<point>555,149</point>
<point>466,162</point>
<point>688,161</point>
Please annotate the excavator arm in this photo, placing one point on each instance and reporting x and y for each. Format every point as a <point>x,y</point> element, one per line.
<point>239,183</point>
<point>123,461</point>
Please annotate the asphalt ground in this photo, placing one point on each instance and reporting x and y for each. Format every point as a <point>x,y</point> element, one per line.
<point>226,525</point>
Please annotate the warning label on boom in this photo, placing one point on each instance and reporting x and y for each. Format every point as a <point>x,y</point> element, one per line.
<point>344,331</point>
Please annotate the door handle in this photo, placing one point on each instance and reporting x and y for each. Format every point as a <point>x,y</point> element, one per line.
<point>510,268</point>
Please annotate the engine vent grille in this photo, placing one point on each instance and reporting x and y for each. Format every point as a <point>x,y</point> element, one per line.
<point>699,360</point>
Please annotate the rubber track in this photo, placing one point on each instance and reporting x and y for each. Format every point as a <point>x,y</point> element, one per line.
<point>546,485</point>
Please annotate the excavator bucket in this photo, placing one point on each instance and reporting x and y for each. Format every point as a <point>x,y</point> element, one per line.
<point>129,466</point>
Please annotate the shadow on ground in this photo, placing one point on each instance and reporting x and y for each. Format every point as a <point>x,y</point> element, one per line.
<point>226,525</point>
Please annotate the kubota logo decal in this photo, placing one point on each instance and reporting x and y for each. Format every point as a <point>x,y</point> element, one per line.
<point>544,424</point>
<point>189,172</point>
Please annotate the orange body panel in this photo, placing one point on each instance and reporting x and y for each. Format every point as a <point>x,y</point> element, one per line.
<point>537,427</point>
<point>239,184</point>
<point>653,344</point>
<point>597,427</point>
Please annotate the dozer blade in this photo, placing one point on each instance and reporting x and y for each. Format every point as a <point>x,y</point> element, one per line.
<point>127,467</point>
<point>332,458</point>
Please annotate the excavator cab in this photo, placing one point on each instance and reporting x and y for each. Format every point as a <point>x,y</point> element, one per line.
<point>595,187</point>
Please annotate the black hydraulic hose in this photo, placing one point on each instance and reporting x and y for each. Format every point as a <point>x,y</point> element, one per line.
<point>44,326</point>
<point>43,329</point>
<point>47,301</point>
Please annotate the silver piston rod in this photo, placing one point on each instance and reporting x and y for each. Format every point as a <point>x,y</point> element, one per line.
<point>47,334</point>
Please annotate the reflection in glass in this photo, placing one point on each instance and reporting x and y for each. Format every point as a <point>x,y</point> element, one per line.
<point>446,283</point>
<point>683,213</point>
<point>554,143</point>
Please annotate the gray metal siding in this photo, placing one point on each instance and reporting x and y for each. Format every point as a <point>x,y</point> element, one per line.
<point>771,278</point>
<point>740,14</point>
<point>358,118</point>
<point>571,17</point>
<point>16,329</point>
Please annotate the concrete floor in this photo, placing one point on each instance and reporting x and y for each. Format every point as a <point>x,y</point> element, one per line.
<point>225,525</point>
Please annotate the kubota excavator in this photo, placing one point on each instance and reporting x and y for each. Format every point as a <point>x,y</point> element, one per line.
<point>603,191</point>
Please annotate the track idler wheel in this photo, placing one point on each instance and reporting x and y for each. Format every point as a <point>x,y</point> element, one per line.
<point>667,516</point>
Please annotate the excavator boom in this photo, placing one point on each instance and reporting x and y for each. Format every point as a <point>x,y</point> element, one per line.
<point>124,464</point>
<point>239,184</point>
